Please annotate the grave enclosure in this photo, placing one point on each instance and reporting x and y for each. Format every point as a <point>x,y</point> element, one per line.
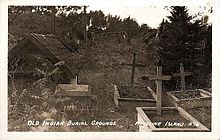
<point>188,98</point>
<point>78,95</point>
<point>166,119</point>
<point>171,119</point>
<point>124,97</point>
<point>128,97</point>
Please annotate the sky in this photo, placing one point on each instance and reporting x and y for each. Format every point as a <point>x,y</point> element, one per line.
<point>150,15</point>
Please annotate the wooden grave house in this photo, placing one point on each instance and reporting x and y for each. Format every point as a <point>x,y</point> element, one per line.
<point>22,59</point>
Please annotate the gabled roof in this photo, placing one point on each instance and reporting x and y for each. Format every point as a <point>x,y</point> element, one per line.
<point>53,48</point>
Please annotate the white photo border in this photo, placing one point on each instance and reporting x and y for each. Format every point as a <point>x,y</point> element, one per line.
<point>5,135</point>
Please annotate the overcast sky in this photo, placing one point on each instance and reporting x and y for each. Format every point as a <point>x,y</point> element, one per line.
<point>151,15</point>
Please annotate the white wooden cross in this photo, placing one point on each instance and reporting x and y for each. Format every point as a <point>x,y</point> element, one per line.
<point>158,79</point>
<point>182,74</point>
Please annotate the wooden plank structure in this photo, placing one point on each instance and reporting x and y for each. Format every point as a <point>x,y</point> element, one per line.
<point>146,125</point>
<point>133,65</point>
<point>146,115</point>
<point>48,47</point>
<point>131,103</point>
<point>77,92</point>
<point>202,99</point>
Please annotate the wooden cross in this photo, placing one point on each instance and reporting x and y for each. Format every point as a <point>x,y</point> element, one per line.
<point>133,65</point>
<point>158,79</point>
<point>182,74</point>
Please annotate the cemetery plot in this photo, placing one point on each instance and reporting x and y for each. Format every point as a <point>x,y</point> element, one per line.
<point>136,92</point>
<point>76,94</point>
<point>166,119</point>
<point>188,98</point>
<point>132,96</point>
<point>129,97</point>
<point>171,119</point>
<point>158,78</point>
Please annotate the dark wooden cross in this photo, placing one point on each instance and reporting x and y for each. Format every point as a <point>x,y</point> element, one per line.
<point>158,79</point>
<point>133,65</point>
<point>182,74</point>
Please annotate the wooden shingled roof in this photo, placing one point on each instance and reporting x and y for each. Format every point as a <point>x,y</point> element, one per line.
<point>53,48</point>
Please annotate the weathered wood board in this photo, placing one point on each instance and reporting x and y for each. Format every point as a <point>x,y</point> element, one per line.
<point>204,99</point>
<point>177,120</point>
<point>79,95</point>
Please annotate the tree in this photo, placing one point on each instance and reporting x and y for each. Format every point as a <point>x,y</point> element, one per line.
<point>26,19</point>
<point>114,23</point>
<point>97,21</point>
<point>179,14</point>
<point>178,39</point>
<point>144,28</point>
<point>131,26</point>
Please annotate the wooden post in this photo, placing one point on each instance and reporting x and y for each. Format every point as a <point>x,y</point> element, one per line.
<point>73,81</point>
<point>158,79</point>
<point>159,90</point>
<point>183,82</point>
<point>182,74</point>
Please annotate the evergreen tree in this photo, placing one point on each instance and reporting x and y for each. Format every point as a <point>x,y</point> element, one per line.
<point>131,26</point>
<point>179,14</point>
<point>175,39</point>
<point>178,39</point>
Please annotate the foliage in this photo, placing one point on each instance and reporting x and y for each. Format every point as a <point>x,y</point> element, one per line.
<point>178,43</point>
<point>40,103</point>
<point>98,21</point>
<point>179,14</point>
<point>26,103</point>
<point>69,22</point>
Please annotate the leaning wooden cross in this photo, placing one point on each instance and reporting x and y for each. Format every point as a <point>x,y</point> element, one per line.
<point>182,74</point>
<point>133,65</point>
<point>158,79</point>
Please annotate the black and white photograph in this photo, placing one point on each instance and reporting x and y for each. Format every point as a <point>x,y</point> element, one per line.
<point>105,68</point>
